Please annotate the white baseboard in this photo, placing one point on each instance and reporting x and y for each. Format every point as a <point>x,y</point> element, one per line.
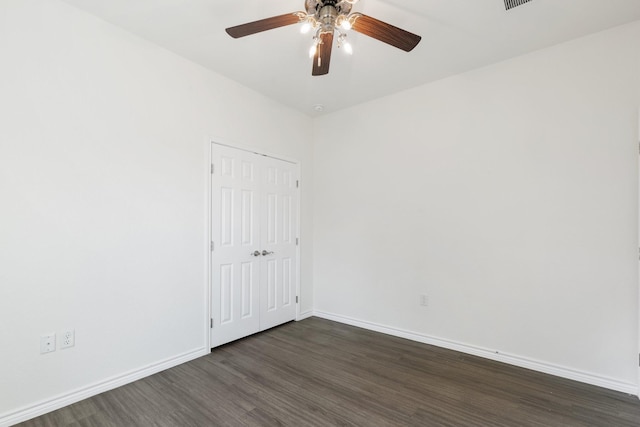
<point>304,315</point>
<point>57,402</point>
<point>523,362</point>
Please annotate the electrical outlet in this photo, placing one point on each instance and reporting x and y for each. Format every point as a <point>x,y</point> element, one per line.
<point>47,343</point>
<point>68,339</point>
<point>424,300</point>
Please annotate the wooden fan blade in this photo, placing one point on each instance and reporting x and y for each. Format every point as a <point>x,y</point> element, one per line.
<point>322,58</point>
<point>386,33</point>
<point>263,25</point>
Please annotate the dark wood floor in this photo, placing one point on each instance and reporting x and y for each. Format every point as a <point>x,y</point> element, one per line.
<point>321,373</point>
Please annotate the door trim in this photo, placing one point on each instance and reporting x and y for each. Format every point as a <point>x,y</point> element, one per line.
<point>209,232</point>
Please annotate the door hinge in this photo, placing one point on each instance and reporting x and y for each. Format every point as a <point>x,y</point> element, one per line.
<point>211,323</point>
<point>212,246</point>
<point>296,299</point>
<point>212,168</point>
<point>297,241</point>
<point>297,184</point>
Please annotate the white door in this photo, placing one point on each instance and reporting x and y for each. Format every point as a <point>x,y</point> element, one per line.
<point>278,266</point>
<point>235,200</point>
<point>254,254</point>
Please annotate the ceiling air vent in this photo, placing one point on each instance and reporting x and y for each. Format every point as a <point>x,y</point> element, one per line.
<point>510,4</point>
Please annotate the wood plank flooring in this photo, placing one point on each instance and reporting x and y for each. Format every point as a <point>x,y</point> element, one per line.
<point>321,373</point>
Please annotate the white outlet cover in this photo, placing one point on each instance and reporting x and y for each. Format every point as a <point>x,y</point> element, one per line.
<point>424,300</point>
<point>47,343</point>
<point>68,338</point>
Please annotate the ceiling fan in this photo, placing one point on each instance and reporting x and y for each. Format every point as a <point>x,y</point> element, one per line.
<point>328,17</point>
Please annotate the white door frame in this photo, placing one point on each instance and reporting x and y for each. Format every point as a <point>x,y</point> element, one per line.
<point>209,231</point>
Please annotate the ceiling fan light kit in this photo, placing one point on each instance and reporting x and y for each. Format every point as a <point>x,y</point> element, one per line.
<point>328,18</point>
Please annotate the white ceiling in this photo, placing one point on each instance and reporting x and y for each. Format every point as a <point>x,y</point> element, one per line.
<point>457,36</point>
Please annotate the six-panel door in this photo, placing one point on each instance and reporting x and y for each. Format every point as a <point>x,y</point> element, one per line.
<point>254,258</point>
<point>278,226</point>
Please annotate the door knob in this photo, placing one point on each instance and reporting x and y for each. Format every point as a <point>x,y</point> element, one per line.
<point>255,253</point>
<point>265,253</point>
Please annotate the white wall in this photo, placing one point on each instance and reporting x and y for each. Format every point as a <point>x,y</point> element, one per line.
<point>103,151</point>
<point>508,195</point>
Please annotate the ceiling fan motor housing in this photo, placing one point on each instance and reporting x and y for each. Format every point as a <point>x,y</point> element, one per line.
<point>316,7</point>
<point>327,17</point>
